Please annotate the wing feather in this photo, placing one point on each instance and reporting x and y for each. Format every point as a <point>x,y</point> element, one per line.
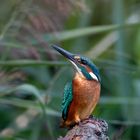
<point>67,98</point>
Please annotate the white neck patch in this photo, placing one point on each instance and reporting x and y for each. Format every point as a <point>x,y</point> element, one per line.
<point>79,71</point>
<point>93,76</point>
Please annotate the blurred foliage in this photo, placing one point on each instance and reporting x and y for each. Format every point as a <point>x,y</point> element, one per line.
<point>33,77</point>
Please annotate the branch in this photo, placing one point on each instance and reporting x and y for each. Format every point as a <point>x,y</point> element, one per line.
<point>88,129</point>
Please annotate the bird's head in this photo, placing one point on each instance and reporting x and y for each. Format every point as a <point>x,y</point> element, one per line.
<point>83,65</point>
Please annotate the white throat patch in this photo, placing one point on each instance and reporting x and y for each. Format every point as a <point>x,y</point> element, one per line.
<point>93,76</point>
<point>76,67</point>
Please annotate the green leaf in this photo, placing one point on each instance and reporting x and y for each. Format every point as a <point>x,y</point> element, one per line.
<point>65,35</point>
<point>27,88</point>
<point>21,63</point>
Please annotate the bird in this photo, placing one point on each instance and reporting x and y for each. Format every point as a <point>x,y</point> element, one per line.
<point>82,93</point>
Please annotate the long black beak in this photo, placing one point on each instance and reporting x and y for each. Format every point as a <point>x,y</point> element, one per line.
<point>65,53</point>
<point>69,56</point>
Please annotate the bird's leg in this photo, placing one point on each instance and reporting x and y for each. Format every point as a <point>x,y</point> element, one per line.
<point>76,121</point>
<point>72,125</point>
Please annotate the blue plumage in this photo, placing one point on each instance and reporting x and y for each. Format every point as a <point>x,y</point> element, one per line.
<point>67,98</point>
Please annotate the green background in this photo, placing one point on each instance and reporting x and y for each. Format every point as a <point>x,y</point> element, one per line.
<point>33,75</point>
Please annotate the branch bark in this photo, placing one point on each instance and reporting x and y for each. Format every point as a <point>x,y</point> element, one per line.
<point>88,129</point>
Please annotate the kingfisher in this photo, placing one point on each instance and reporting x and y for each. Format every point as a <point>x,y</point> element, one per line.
<point>82,94</point>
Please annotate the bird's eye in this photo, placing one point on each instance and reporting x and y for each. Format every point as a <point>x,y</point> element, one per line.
<point>84,62</point>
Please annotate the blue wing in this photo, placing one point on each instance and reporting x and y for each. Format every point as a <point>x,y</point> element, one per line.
<point>67,98</point>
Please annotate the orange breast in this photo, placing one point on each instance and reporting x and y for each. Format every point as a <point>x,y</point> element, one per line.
<point>86,95</point>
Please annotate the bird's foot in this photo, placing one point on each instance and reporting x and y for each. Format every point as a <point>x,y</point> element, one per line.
<point>71,125</point>
<point>74,123</point>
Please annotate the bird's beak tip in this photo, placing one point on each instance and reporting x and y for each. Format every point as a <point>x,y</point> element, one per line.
<point>54,46</point>
<point>63,52</point>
